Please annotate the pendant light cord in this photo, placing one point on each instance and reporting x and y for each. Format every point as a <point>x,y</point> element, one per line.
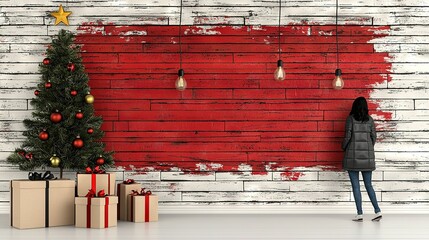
<point>280,14</point>
<point>180,34</point>
<point>336,30</point>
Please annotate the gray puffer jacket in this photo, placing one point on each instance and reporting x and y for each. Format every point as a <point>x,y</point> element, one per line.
<point>358,145</point>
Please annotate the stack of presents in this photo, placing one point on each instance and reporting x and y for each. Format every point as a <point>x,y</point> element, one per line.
<point>42,201</point>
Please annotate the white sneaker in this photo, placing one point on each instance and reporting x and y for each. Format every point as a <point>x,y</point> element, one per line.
<point>358,218</point>
<point>377,217</point>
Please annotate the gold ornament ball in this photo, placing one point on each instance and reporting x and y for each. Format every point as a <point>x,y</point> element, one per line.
<point>55,161</point>
<point>89,99</point>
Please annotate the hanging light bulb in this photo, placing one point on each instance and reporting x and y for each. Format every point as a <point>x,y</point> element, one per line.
<point>180,82</point>
<point>338,82</point>
<point>279,74</point>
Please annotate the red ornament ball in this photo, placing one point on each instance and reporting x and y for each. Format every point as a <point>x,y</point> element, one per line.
<point>56,117</point>
<point>29,156</point>
<point>46,61</point>
<point>79,115</point>
<point>37,92</point>
<point>78,143</point>
<point>48,85</point>
<point>90,130</point>
<point>73,93</point>
<point>43,136</point>
<point>100,161</point>
<point>71,67</point>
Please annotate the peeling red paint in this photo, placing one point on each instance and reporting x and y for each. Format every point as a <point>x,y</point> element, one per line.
<point>291,176</point>
<point>233,116</point>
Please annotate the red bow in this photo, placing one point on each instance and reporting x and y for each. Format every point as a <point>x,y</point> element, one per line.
<point>91,193</point>
<point>96,170</point>
<point>141,193</point>
<point>129,181</point>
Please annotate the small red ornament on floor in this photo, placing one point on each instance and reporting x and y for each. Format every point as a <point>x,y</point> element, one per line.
<point>44,135</point>
<point>79,115</point>
<point>56,117</point>
<point>46,61</point>
<point>73,93</point>
<point>90,130</point>
<point>78,143</point>
<point>48,85</point>
<point>71,67</point>
<point>36,92</point>
<point>100,161</point>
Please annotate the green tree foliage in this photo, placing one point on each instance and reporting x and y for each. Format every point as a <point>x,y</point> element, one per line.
<point>67,95</point>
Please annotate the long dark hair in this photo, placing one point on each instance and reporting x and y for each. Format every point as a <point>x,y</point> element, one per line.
<point>360,109</point>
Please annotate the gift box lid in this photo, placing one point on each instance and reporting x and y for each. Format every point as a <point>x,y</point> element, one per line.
<point>96,200</point>
<point>59,183</point>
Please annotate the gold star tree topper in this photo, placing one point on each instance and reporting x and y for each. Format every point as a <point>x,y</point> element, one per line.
<point>61,16</point>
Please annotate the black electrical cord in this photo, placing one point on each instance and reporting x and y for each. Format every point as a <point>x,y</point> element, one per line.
<point>280,15</point>
<point>180,34</point>
<point>336,31</point>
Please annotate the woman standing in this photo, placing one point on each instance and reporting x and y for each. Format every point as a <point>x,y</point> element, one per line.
<point>358,144</point>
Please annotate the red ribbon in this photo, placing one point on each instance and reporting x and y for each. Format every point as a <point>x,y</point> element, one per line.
<point>146,208</point>
<point>96,170</point>
<point>132,208</point>
<point>129,181</point>
<point>146,195</point>
<point>88,213</point>
<point>93,182</point>
<point>106,213</point>
<point>108,185</point>
<point>91,194</point>
<point>141,193</point>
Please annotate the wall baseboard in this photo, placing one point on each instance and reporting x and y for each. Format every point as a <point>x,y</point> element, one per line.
<point>319,209</point>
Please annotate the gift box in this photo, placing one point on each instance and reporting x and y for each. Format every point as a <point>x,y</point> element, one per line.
<point>42,203</point>
<point>96,180</point>
<point>124,189</point>
<point>96,212</point>
<point>142,208</point>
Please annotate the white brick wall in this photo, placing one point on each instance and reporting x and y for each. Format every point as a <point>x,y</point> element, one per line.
<point>403,156</point>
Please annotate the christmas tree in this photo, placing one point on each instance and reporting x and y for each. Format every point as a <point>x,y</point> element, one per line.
<point>63,133</point>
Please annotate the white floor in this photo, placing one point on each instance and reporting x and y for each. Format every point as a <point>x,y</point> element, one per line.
<point>243,226</point>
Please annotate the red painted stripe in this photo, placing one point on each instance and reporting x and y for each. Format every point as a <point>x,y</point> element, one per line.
<point>208,39</point>
<point>219,115</point>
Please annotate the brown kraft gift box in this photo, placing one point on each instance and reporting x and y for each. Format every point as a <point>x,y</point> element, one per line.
<point>42,203</point>
<point>97,182</point>
<point>123,191</point>
<point>96,212</point>
<point>142,208</point>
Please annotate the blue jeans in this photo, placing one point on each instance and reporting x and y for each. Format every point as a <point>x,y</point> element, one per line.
<point>354,178</point>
